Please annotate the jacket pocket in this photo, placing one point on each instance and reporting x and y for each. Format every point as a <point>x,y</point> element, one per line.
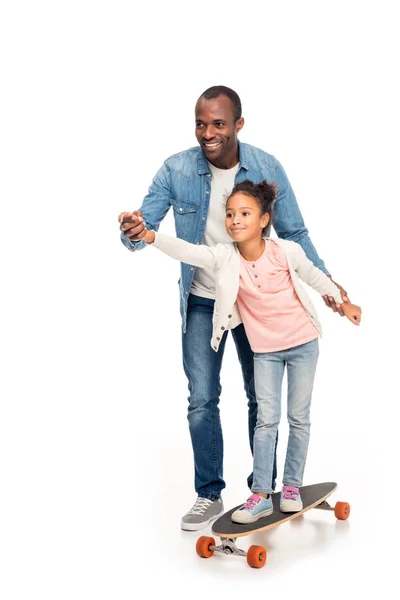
<point>182,207</point>
<point>186,215</point>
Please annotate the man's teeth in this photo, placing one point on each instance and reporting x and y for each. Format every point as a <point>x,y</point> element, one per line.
<point>212,145</point>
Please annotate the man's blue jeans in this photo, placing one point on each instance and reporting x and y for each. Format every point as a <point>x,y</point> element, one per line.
<point>202,366</point>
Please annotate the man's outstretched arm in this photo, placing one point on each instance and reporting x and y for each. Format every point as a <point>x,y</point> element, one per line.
<point>153,210</point>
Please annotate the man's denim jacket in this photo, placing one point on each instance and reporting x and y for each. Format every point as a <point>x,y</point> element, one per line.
<point>184,182</point>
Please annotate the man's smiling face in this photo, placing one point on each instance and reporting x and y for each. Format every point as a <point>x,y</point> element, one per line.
<point>216,131</point>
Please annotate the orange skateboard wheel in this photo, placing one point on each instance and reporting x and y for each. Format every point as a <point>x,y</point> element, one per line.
<point>203,546</point>
<point>342,510</point>
<point>256,556</point>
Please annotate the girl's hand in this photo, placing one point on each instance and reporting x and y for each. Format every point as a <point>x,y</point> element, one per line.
<point>149,236</point>
<point>352,312</point>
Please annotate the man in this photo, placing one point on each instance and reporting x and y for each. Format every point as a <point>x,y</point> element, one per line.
<point>196,183</point>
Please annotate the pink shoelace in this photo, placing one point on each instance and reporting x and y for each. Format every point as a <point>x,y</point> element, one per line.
<point>289,492</point>
<point>251,502</point>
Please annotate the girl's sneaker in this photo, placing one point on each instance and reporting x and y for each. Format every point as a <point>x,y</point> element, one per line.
<point>290,499</point>
<point>253,509</point>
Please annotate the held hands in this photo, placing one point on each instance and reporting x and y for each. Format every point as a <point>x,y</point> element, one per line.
<point>346,309</point>
<point>330,302</point>
<point>133,226</point>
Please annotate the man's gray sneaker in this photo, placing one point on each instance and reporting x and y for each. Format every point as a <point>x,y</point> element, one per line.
<point>202,513</point>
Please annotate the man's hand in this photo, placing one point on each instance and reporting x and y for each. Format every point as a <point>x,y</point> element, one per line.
<point>132,225</point>
<point>330,302</point>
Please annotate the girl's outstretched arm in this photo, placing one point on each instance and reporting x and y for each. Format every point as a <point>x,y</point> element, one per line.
<point>198,255</point>
<point>321,283</point>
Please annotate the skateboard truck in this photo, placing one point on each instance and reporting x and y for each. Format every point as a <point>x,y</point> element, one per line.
<point>228,546</point>
<point>325,506</point>
<point>256,555</point>
<point>341,509</point>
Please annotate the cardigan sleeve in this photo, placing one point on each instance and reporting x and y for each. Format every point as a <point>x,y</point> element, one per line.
<point>198,255</point>
<point>311,275</point>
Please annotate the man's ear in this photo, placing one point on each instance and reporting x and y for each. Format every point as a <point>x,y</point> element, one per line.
<point>239,124</point>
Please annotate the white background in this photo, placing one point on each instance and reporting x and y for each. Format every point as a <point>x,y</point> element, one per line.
<point>95,456</point>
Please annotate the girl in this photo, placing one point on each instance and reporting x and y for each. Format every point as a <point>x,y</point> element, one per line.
<point>258,282</point>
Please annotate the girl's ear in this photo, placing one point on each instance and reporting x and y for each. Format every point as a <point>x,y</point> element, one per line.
<point>265,220</point>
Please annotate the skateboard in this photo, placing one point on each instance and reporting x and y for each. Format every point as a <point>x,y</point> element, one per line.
<point>313,496</point>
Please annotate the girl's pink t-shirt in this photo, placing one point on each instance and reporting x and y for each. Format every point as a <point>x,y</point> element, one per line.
<point>272,314</point>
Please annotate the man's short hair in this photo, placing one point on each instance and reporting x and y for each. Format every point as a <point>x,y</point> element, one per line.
<point>222,90</point>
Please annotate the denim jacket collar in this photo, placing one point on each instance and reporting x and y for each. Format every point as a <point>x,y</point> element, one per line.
<point>202,163</point>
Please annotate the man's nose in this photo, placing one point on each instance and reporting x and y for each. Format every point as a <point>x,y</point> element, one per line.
<point>209,132</point>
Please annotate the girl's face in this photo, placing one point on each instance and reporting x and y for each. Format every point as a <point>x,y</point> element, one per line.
<point>244,221</point>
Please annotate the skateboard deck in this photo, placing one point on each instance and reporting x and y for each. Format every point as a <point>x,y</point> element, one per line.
<point>313,496</point>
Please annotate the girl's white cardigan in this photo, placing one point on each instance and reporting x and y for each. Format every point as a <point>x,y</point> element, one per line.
<point>225,260</point>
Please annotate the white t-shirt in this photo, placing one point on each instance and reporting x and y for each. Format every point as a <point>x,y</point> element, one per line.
<point>222,183</point>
